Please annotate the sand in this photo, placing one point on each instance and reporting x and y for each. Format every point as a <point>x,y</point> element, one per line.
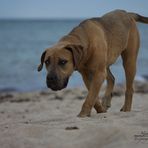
<point>49,120</point>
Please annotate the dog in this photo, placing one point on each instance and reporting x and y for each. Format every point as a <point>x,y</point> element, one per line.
<point>91,48</point>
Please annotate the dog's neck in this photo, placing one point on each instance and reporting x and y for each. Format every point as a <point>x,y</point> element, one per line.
<point>77,36</point>
<point>70,39</point>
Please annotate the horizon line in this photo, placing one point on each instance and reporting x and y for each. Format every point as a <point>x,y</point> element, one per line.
<point>44,18</point>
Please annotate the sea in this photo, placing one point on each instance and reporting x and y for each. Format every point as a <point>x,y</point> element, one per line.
<point>23,41</point>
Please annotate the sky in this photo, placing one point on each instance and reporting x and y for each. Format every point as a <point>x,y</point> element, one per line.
<point>67,8</point>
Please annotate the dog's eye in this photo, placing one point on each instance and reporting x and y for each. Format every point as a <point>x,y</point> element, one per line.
<point>47,62</point>
<point>62,62</point>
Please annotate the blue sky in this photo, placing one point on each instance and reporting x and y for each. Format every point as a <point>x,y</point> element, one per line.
<point>67,8</point>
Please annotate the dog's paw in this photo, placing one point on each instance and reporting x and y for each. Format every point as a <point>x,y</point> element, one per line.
<point>125,109</point>
<point>106,102</point>
<point>83,114</point>
<point>105,105</point>
<point>121,110</point>
<point>101,109</point>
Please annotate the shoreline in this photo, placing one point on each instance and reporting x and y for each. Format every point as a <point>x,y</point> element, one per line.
<point>140,86</point>
<point>80,92</point>
<point>142,80</point>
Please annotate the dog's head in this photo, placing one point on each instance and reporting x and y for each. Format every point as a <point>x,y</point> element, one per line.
<point>60,62</point>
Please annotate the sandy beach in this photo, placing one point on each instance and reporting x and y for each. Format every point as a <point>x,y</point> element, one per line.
<point>49,119</point>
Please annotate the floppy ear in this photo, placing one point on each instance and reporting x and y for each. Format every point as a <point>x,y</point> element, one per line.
<point>77,53</point>
<point>42,61</point>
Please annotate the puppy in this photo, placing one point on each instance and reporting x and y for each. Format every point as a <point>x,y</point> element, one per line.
<point>90,48</point>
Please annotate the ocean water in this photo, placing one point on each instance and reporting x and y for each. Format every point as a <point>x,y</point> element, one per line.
<point>23,41</point>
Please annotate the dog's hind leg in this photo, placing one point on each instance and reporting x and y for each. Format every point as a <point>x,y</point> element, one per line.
<point>129,57</point>
<point>129,64</point>
<point>106,100</point>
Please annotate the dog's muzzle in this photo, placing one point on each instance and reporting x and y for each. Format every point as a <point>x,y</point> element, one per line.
<point>55,84</point>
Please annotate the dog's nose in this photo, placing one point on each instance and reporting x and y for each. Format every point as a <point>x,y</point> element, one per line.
<point>52,78</point>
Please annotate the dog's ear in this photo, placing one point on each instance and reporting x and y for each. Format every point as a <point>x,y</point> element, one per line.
<point>42,61</point>
<point>77,53</point>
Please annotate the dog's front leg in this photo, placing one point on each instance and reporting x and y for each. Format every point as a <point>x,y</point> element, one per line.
<point>95,85</point>
<point>87,78</point>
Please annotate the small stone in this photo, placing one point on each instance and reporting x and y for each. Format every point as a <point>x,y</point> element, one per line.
<point>72,128</point>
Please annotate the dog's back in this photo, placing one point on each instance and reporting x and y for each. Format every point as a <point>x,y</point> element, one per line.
<point>117,26</point>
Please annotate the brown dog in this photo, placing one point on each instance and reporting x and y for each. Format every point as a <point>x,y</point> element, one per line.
<point>91,48</point>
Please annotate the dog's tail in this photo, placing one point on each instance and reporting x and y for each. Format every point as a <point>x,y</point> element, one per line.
<point>138,17</point>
